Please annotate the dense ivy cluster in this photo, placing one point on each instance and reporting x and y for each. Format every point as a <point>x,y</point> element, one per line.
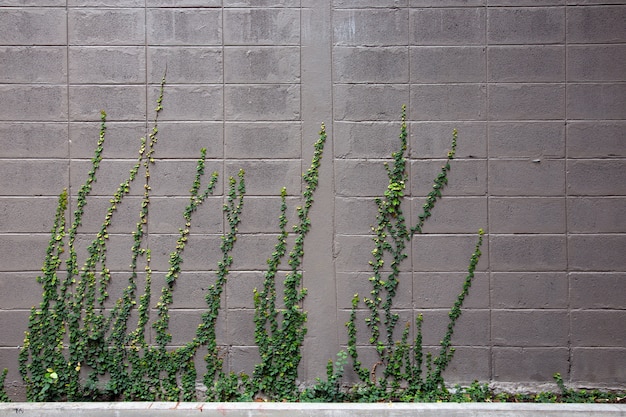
<point>75,349</point>
<point>399,361</point>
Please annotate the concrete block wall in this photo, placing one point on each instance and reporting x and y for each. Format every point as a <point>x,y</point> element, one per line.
<point>536,89</point>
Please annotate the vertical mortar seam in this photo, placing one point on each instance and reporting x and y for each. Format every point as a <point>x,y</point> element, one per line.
<point>67,92</point>
<point>487,124</point>
<point>229,356</point>
<point>566,197</point>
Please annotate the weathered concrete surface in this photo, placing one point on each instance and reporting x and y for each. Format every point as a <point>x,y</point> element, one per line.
<point>536,89</point>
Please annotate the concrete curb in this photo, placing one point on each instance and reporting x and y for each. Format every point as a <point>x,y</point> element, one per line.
<point>150,409</point>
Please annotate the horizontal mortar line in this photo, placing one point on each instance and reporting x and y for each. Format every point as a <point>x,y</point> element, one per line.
<point>247,8</point>
<point>37,234</point>
<point>106,45</point>
<point>33,158</point>
<point>595,196</point>
<point>242,84</point>
<point>566,82</point>
<point>375,121</point>
<point>295,81</point>
<point>34,84</point>
<point>413,308</point>
<point>570,234</point>
<point>526,158</point>
<point>603,234</point>
<point>578,44</point>
<point>242,45</point>
<point>31,83</point>
<point>31,45</point>
<point>252,122</point>
<point>107,84</point>
<point>394,120</point>
<point>598,43</point>
<point>609,121</point>
<point>597,158</point>
<point>410,84</point>
<point>536,309</point>
<point>261,160</point>
<point>27,196</point>
<point>617,158</point>
<point>533,120</point>
<point>370,45</point>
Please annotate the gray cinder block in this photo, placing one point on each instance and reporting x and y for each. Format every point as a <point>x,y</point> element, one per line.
<point>370,64</point>
<point>526,177</point>
<point>448,102</point>
<point>40,177</point>
<point>530,328</point>
<point>373,27</point>
<point>271,26</point>
<point>598,328</point>
<point>527,253</point>
<point>447,64</point>
<point>528,139</point>
<point>261,140</point>
<point>265,64</point>
<point>454,26</point>
<point>34,140</point>
<point>87,26</point>
<point>467,177</point>
<point>523,101</point>
<point>360,178</point>
<point>597,290</point>
<point>33,26</point>
<point>35,103</point>
<point>262,102</point>
<point>595,139</point>
<point>125,103</point>
<point>596,177</point>
<point>189,102</point>
<point>527,215</point>
<point>537,63</point>
<point>596,101</point>
<point>33,64</point>
<point>446,253</point>
<point>596,63</point>
<point>596,215</point>
<point>529,290</point>
<point>197,65</point>
<point>360,102</point>
<point>433,139</point>
<point>599,366</point>
<point>184,26</point>
<point>596,252</point>
<point>107,65</point>
<point>531,363</point>
<point>596,24</point>
<point>532,25</point>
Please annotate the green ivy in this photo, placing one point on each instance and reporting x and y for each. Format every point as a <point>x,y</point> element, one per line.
<point>4,398</point>
<point>401,362</point>
<point>75,349</point>
<point>280,341</point>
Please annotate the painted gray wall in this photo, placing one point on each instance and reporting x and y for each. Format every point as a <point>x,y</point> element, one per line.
<point>536,89</point>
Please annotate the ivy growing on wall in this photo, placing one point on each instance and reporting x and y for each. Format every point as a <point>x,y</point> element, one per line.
<point>77,347</point>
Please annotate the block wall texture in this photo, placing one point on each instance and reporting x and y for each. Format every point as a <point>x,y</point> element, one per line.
<point>536,89</point>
